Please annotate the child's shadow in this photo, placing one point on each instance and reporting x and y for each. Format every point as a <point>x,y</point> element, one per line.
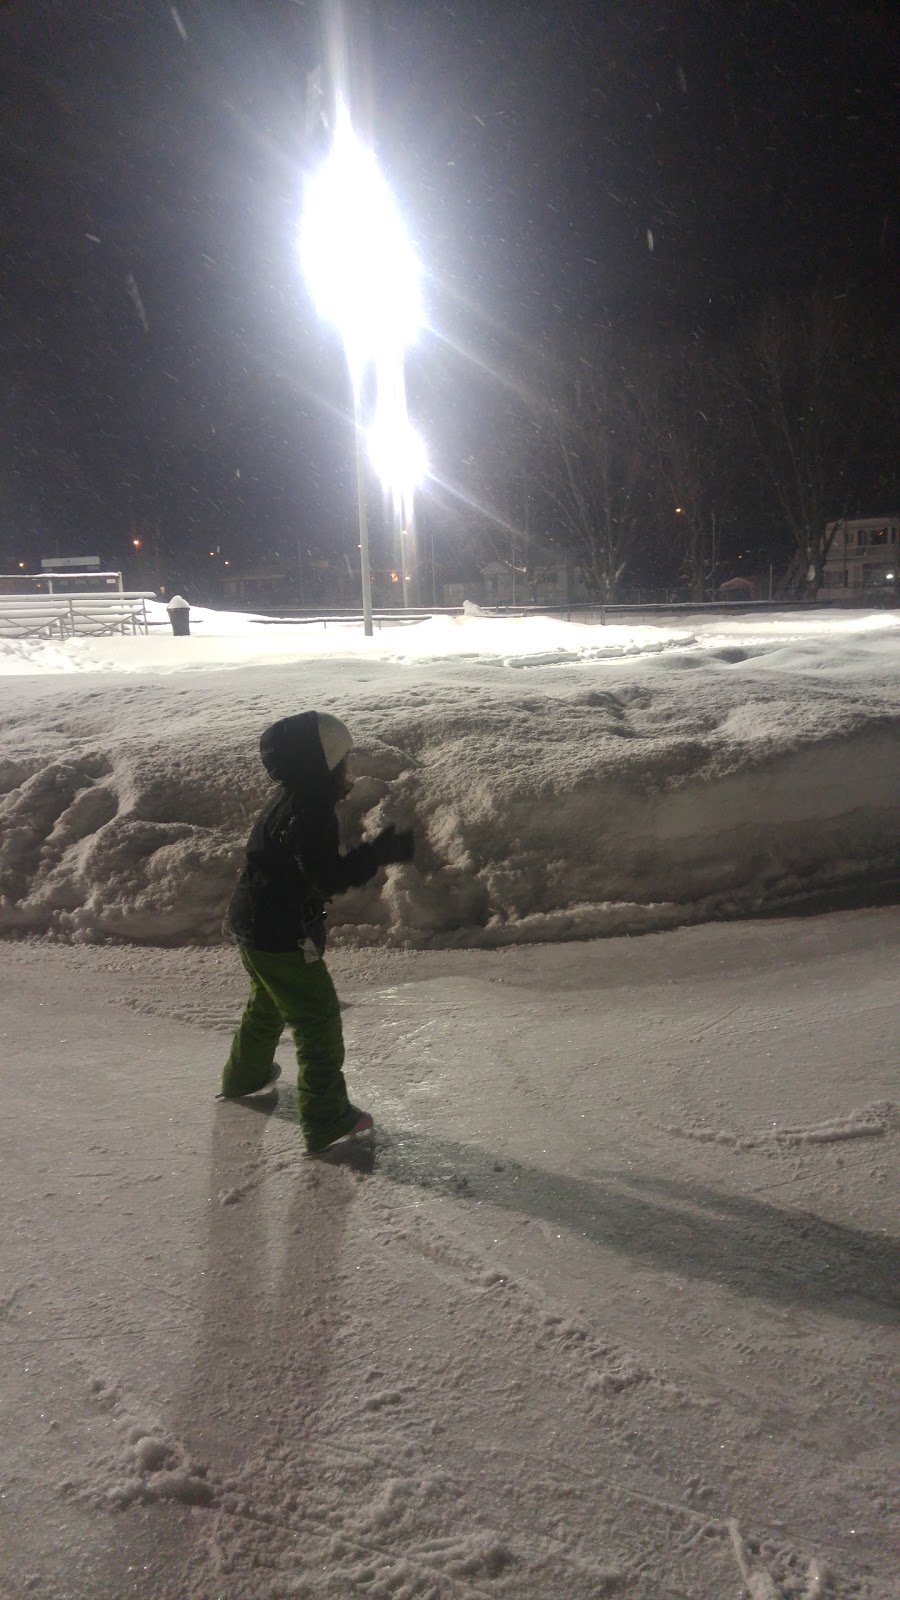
<point>771,1253</point>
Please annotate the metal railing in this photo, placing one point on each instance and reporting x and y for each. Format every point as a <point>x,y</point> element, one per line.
<point>576,611</point>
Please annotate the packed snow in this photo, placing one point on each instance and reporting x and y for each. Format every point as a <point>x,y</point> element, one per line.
<point>563,780</point>
<point>608,1306</point>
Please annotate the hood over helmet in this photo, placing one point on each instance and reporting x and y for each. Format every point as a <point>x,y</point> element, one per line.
<point>301,752</point>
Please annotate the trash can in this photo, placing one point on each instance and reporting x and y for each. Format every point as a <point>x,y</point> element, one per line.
<point>179,614</point>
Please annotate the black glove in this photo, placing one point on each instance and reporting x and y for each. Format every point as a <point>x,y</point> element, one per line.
<point>391,846</point>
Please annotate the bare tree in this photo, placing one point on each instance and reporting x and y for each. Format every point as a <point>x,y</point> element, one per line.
<point>502,496</point>
<point>685,411</point>
<point>801,374</point>
<point>596,481</point>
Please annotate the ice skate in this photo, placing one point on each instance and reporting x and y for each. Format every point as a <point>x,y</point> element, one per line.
<point>361,1126</point>
<point>271,1080</point>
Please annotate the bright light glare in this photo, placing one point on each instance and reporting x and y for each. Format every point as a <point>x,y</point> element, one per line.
<point>397,452</point>
<point>362,272</point>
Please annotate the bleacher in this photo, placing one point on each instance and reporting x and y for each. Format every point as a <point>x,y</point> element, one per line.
<point>61,616</point>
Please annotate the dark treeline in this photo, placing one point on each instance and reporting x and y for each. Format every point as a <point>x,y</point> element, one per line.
<point>658,462</point>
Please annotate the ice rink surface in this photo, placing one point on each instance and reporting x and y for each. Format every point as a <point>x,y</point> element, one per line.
<point>607,1307</point>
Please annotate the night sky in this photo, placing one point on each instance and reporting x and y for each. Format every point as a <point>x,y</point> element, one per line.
<point>162,366</point>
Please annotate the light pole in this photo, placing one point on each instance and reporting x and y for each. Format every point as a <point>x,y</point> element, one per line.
<point>398,455</point>
<point>364,569</point>
<point>409,554</point>
<point>363,277</point>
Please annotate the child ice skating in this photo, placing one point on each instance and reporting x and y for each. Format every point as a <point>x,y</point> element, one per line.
<point>277,915</point>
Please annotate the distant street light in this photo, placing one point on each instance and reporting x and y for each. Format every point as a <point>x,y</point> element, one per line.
<point>399,457</point>
<point>363,278</point>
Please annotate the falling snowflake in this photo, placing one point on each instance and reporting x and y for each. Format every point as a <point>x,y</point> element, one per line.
<point>135,294</point>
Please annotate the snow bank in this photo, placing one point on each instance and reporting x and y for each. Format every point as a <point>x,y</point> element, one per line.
<point>563,781</point>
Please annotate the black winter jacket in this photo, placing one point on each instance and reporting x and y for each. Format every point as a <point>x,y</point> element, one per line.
<point>294,863</point>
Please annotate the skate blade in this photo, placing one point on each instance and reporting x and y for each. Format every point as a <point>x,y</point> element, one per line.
<point>362,1129</point>
<point>264,1088</point>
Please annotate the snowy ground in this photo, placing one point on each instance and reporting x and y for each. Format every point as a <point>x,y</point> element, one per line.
<point>610,1310</point>
<point>610,1306</point>
<point>563,781</point>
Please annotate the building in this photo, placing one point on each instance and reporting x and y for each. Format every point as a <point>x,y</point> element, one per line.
<point>739,589</point>
<point>862,560</point>
<point>548,580</point>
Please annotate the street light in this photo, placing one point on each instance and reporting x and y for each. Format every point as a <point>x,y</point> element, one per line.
<point>399,457</point>
<point>363,278</point>
<point>362,272</point>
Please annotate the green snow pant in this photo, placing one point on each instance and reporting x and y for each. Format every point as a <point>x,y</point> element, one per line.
<point>286,990</point>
